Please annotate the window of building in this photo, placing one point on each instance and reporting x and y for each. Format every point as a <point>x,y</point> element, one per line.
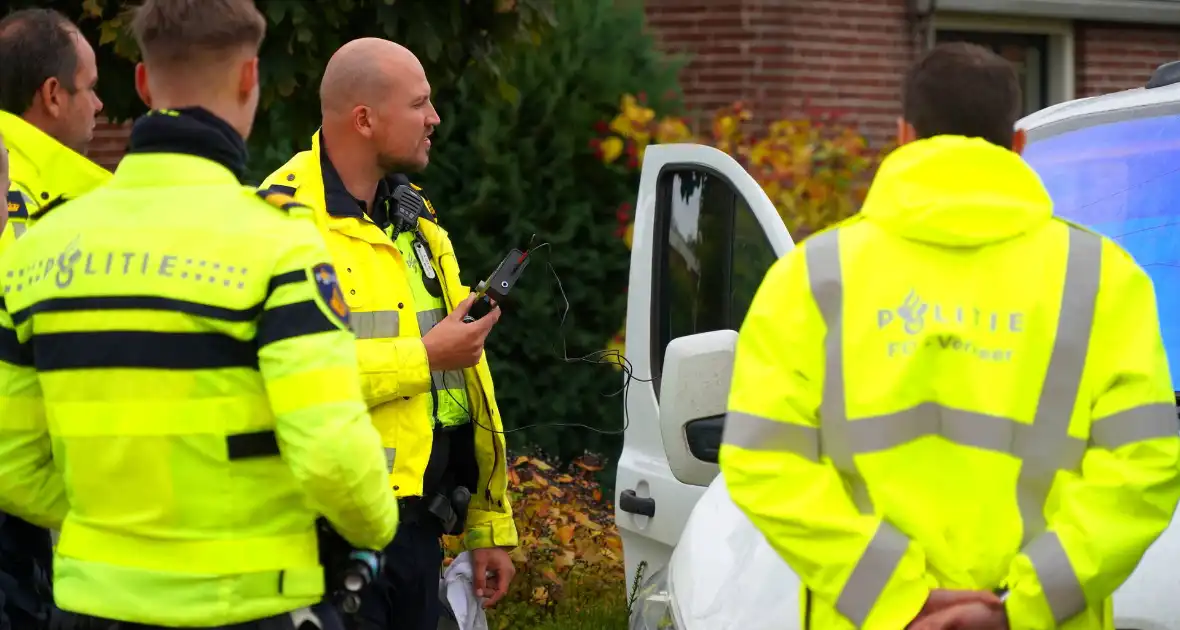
<point>1029,53</point>
<point>1042,50</point>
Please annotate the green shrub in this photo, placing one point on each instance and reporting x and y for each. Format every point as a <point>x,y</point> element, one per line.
<point>501,172</point>
<point>451,39</point>
<point>569,561</point>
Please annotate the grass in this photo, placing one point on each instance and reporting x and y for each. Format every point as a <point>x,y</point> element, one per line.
<point>582,610</point>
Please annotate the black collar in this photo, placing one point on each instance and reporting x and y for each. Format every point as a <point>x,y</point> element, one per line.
<point>340,202</point>
<point>192,131</point>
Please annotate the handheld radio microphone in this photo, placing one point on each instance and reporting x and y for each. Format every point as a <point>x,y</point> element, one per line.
<point>409,207</point>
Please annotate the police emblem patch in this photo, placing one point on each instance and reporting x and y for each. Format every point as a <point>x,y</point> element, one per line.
<point>17,208</point>
<point>329,295</point>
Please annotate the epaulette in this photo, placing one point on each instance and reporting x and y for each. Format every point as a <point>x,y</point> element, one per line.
<point>425,200</point>
<point>40,213</point>
<point>280,200</point>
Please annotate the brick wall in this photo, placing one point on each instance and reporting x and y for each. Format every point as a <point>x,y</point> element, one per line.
<point>109,143</point>
<point>774,54</point>
<point>851,55</point>
<point>1112,57</point>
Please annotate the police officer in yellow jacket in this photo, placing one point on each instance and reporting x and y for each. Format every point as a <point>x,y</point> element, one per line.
<point>422,369</point>
<point>179,384</point>
<point>955,395</point>
<point>47,112</point>
<point>47,115</point>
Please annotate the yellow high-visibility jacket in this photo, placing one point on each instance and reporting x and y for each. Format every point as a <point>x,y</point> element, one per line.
<point>955,389</point>
<point>179,395</point>
<point>41,170</point>
<point>395,372</point>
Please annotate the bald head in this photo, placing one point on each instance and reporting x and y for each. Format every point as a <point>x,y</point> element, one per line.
<point>375,97</point>
<point>366,70</point>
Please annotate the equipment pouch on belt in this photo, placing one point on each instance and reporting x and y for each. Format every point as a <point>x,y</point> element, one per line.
<point>451,512</point>
<point>347,570</point>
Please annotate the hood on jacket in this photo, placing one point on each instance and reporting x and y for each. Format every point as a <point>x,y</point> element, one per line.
<point>957,192</point>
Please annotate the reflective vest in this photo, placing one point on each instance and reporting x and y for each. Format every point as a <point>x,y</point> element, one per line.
<point>395,373</point>
<point>449,389</point>
<point>41,170</point>
<point>173,341</point>
<point>957,390</point>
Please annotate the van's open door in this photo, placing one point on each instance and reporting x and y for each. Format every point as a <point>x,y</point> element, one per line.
<point>705,235</point>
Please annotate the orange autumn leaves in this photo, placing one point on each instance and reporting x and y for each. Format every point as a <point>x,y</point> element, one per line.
<point>567,532</point>
<point>814,168</point>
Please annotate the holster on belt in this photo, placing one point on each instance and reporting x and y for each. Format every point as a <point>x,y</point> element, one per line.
<point>450,512</point>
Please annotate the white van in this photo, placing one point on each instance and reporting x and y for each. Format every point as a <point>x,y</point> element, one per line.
<point>705,234</point>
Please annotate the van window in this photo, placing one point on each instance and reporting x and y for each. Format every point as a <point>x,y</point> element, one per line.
<point>710,256</point>
<point>1122,178</point>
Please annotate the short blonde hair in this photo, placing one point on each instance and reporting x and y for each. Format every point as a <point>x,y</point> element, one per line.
<point>174,32</point>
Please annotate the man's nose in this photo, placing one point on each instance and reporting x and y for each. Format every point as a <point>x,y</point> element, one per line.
<point>97,104</point>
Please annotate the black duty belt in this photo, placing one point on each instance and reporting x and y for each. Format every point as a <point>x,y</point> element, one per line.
<point>448,514</point>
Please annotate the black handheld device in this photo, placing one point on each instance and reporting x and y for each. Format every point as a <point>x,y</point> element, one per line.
<point>498,285</point>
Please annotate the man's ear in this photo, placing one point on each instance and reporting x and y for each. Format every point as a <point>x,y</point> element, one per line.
<point>141,84</point>
<point>248,79</point>
<point>905,132</point>
<point>52,96</point>
<point>362,120</point>
<point>1019,141</point>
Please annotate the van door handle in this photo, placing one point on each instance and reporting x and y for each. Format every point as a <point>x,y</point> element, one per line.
<point>632,504</point>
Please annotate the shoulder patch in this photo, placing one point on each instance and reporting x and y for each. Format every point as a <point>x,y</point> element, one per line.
<point>329,295</point>
<point>279,199</point>
<point>18,208</point>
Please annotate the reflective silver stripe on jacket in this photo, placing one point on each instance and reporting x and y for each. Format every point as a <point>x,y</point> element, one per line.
<point>375,324</point>
<point>1063,591</point>
<point>1044,446</point>
<point>452,379</point>
<point>18,229</point>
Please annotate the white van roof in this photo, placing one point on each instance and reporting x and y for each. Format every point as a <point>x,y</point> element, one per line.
<point>1162,99</point>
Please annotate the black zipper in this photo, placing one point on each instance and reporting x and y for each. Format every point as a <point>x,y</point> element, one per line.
<point>434,396</point>
<point>474,372</point>
<point>422,272</point>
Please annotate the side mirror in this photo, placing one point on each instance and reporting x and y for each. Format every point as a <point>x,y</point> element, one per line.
<point>694,394</point>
